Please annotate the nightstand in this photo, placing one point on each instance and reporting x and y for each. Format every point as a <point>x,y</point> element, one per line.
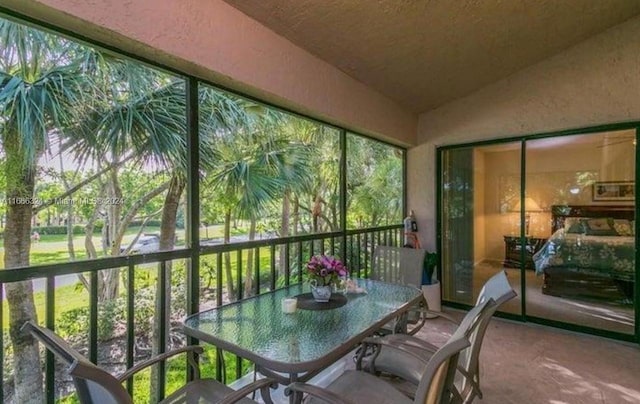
<point>513,246</point>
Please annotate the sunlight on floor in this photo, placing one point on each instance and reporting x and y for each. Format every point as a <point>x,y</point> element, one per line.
<point>572,383</point>
<point>629,395</point>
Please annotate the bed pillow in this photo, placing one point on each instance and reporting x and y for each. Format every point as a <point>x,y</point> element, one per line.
<point>574,225</point>
<point>600,227</point>
<point>622,227</point>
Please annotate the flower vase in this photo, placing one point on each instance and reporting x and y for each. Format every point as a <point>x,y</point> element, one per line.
<point>321,294</point>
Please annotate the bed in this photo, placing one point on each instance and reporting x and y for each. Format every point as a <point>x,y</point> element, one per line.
<point>590,254</point>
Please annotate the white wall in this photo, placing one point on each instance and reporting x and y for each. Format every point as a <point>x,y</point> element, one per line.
<point>595,82</point>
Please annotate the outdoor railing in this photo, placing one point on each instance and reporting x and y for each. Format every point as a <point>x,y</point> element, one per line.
<point>159,289</point>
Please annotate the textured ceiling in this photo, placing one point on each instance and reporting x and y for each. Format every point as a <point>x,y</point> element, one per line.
<point>424,53</point>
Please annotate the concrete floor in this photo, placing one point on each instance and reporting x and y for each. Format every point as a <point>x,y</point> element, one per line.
<point>526,363</point>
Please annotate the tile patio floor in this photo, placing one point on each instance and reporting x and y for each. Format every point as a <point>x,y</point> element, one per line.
<point>526,363</point>
<point>530,364</point>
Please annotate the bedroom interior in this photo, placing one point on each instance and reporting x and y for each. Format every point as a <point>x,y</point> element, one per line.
<point>576,249</point>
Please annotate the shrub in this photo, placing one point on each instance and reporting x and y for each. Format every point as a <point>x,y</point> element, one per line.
<point>77,229</point>
<point>75,322</point>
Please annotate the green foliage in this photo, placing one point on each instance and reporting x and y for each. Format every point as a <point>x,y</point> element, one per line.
<point>44,230</point>
<point>374,187</point>
<point>145,309</point>
<point>430,262</point>
<point>75,322</point>
<point>149,223</point>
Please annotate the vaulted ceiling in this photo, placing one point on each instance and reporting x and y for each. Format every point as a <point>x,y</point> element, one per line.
<point>424,53</point>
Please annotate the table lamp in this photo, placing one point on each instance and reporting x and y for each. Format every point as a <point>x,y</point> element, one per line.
<point>529,206</point>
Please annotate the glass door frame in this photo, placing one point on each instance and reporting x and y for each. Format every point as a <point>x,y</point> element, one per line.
<point>523,317</point>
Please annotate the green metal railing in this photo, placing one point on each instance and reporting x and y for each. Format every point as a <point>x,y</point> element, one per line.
<point>275,263</point>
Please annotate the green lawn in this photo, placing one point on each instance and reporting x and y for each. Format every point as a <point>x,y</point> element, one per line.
<point>68,298</point>
<point>75,296</point>
<point>53,248</point>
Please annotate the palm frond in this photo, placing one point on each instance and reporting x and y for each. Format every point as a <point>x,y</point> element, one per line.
<point>33,109</point>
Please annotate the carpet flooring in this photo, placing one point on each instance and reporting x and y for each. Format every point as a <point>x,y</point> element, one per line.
<point>611,316</point>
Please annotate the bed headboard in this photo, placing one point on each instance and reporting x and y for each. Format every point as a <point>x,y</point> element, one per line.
<point>561,212</point>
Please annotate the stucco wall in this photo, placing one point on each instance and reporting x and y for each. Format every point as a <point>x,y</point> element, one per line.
<point>592,83</point>
<point>214,41</point>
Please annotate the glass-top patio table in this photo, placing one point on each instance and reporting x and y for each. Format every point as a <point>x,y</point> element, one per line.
<point>303,343</point>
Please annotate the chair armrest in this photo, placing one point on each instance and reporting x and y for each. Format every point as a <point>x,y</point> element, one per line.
<point>399,348</point>
<point>323,394</point>
<point>439,314</point>
<point>423,347</point>
<point>419,323</point>
<point>262,384</point>
<point>162,357</point>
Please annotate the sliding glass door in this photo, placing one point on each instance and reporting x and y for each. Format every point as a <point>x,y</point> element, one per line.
<point>557,214</point>
<point>480,188</point>
<point>584,188</point>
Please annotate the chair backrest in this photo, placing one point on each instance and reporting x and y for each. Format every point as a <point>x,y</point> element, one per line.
<point>398,265</point>
<point>498,289</point>
<point>437,381</point>
<point>93,385</point>
<point>436,384</point>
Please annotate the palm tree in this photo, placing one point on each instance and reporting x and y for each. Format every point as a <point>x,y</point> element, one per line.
<point>39,92</point>
<point>260,165</point>
<point>141,117</point>
<point>319,181</point>
<point>373,186</point>
<point>246,181</point>
<point>145,118</point>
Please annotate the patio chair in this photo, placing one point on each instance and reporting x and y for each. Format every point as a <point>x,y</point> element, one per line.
<point>355,387</point>
<point>498,289</point>
<point>402,266</point>
<point>94,385</point>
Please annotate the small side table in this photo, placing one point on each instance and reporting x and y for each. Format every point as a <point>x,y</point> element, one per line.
<point>513,246</point>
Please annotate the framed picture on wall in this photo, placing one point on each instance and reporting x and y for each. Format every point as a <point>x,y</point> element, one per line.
<point>614,191</point>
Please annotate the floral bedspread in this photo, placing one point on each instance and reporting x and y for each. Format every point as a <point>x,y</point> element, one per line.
<point>611,256</point>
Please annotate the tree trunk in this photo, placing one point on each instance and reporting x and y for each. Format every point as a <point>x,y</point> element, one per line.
<point>316,212</point>
<point>27,375</point>
<point>88,234</point>
<point>72,252</point>
<point>167,243</point>
<point>231,294</point>
<point>109,279</point>
<point>114,212</point>
<point>248,275</point>
<point>170,213</point>
<point>108,284</point>
<point>284,227</point>
<point>65,183</point>
<point>296,215</point>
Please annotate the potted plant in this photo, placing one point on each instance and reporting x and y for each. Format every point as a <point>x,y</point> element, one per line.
<point>430,262</point>
<point>431,287</point>
<point>324,271</point>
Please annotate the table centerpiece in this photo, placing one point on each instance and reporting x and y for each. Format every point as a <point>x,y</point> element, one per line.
<point>324,271</point>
